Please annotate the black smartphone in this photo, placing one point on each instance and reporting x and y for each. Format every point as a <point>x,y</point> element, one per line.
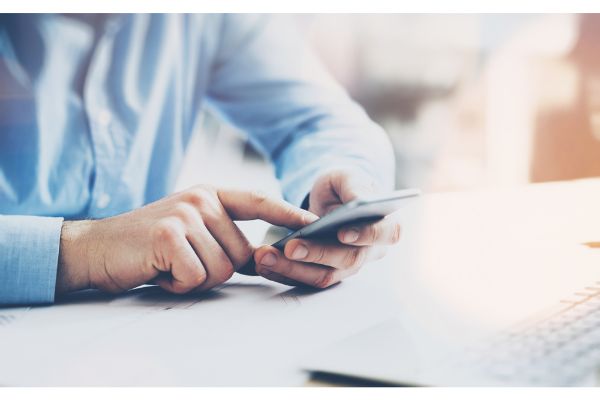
<point>354,212</point>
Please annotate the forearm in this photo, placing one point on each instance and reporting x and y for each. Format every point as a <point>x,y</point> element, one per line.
<point>292,109</point>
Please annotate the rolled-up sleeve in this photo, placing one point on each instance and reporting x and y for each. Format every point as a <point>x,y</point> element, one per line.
<point>29,249</point>
<point>267,81</point>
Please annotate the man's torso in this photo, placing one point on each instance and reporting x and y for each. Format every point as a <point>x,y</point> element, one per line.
<point>95,114</point>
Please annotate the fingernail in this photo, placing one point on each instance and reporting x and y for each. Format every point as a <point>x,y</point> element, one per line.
<point>350,236</point>
<point>310,217</point>
<point>268,259</point>
<point>300,252</point>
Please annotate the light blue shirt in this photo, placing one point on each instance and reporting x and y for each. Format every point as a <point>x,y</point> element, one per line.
<point>96,113</point>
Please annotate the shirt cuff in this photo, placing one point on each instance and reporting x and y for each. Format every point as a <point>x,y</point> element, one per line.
<point>29,249</point>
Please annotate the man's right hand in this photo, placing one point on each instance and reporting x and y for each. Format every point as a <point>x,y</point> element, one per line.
<point>183,242</point>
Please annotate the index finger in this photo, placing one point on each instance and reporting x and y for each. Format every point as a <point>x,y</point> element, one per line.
<point>244,205</point>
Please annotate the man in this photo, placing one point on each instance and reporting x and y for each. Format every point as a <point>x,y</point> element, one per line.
<point>95,114</point>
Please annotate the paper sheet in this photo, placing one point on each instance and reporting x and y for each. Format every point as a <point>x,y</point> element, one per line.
<point>10,316</point>
<point>247,332</point>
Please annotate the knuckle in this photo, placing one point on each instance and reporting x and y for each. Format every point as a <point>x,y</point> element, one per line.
<point>195,279</point>
<point>225,268</point>
<point>373,232</point>
<point>194,197</point>
<point>317,254</point>
<point>259,197</point>
<point>200,277</point>
<point>326,280</point>
<point>183,211</point>
<point>164,231</point>
<point>227,274</point>
<point>211,213</point>
<point>354,258</point>
<point>204,199</point>
<point>228,270</point>
<point>199,195</point>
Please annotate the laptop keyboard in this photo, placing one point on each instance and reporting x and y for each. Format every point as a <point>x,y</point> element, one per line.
<point>557,350</point>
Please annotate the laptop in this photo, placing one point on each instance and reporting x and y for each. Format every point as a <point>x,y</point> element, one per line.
<point>497,288</point>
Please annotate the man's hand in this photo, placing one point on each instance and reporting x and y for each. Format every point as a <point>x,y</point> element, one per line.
<point>183,242</point>
<point>321,264</point>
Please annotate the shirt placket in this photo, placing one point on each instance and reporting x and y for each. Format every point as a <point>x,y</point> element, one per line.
<point>109,147</point>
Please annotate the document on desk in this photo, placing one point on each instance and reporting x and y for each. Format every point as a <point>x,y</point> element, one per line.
<point>249,331</point>
<point>10,316</point>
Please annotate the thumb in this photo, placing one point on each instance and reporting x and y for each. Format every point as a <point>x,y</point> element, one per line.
<point>349,185</point>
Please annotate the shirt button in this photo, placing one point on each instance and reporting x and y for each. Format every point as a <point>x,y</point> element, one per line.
<point>103,200</point>
<point>104,117</point>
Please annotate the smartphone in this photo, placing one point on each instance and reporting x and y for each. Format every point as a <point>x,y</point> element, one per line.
<point>354,212</point>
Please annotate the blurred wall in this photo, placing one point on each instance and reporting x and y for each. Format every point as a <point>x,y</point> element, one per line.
<point>473,100</point>
<point>469,100</point>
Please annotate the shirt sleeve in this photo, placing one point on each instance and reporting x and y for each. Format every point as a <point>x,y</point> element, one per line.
<point>266,81</point>
<point>28,259</point>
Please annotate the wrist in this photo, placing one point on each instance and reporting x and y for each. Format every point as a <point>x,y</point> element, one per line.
<point>74,257</point>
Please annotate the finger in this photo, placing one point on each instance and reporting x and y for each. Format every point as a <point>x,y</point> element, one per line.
<point>186,269</point>
<point>243,205</point>
<point>384,232</point>
<point>228,235</point>
<point>334,255</point>
<point>219,267</point>
<point>269,259</point>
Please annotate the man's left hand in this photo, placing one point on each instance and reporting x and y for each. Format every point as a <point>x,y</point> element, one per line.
<point>322,264</point>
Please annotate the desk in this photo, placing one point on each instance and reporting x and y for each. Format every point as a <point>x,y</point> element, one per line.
<point>246,332</point>
<point>253,332</point>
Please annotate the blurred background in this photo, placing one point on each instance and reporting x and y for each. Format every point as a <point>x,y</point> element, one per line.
<point>469,101</point>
